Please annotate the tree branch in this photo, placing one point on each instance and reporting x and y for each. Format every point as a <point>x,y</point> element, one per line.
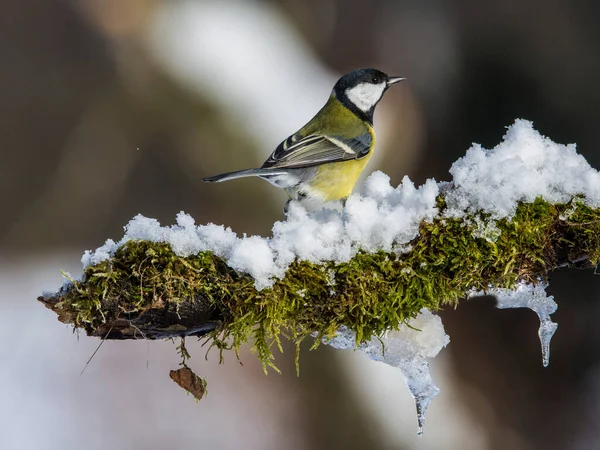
<point>147,291</point>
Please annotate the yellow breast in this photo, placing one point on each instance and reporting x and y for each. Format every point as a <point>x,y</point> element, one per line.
<point>335,181</point>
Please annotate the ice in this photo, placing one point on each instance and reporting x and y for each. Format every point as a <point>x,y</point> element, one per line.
<point>409,349</point>
<point>535,298</point>
<point>487,230</point>
<point>545,333</point>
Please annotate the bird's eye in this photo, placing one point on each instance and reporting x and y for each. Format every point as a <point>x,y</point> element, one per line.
<point>375,80</point>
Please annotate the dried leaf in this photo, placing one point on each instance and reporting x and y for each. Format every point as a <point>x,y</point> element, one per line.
<point>189,381</point>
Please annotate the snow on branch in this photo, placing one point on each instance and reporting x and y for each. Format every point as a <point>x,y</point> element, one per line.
<point>355,276</point>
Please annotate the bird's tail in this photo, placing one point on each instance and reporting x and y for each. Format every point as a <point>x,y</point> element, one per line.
<point>241,174</point>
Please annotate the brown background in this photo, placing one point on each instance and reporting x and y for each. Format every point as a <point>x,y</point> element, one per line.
<point>93,131</point>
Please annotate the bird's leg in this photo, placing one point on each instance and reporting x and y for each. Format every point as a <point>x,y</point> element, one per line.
<point>298,196</point>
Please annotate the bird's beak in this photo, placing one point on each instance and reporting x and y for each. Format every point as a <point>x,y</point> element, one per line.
<point>394,80</point>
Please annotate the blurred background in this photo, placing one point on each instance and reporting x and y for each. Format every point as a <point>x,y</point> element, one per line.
<point>110,108</point>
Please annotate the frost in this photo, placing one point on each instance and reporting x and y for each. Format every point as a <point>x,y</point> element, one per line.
<point>535,298</point>
<point>486,230</point>
<point>409,349</point>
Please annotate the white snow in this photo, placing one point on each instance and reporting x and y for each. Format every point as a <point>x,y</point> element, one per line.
<point>389,218</point>
<point>254,256</point>
<point>522,167</point>
<point>409,349</point>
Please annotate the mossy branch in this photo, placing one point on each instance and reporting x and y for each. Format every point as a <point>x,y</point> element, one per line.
<point>146,291</point>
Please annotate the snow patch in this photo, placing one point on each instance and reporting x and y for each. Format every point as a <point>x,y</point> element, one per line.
<point>524,166</point>
<point>389,219</point>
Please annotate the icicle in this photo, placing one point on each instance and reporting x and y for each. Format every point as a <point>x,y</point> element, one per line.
<point>408,349</point>
<point>421,386</point>
<point>546,331</point>
<point>536,299</point>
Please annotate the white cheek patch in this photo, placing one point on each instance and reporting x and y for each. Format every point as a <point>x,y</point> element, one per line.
<point>365,95</point>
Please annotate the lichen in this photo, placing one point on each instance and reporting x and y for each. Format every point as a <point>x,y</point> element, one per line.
<point>372,292</point>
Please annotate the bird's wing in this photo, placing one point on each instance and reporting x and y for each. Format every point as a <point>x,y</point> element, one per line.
<point>312,150</point>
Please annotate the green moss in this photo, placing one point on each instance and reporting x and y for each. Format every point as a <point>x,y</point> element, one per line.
<point>369,294</point>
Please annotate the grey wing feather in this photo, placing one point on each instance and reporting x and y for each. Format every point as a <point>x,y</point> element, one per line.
<point>317,149</point>
<point>263,172</point>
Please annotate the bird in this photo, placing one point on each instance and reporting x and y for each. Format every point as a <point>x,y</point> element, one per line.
<point>323,160</point>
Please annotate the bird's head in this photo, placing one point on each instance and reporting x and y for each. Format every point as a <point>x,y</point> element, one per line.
<point>363,88</point>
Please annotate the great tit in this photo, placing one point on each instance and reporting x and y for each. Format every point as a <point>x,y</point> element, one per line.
<point>323,160</point>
